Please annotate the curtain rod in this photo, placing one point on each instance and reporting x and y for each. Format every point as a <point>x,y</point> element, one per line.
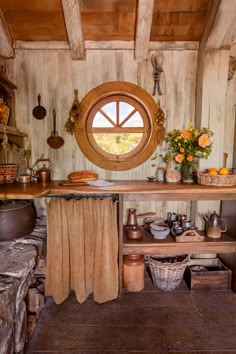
<point>78,197</point>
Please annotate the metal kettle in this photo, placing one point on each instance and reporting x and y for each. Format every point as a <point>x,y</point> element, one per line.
<point>214,225</point>
<point>44,174</point>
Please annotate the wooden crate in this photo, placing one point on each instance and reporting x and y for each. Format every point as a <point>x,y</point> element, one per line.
<point>216,277</point>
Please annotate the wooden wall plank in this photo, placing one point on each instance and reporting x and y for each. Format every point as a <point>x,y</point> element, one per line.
<point>230,118</point>
<point>56,76</point>
<point>213,110</point>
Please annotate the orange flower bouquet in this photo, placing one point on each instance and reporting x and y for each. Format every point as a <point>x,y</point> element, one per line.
<point>186,147</point>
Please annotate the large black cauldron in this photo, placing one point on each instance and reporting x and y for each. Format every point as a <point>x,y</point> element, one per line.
<point>17,219</point>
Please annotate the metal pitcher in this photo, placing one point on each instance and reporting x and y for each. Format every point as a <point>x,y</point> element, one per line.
<point>214,225</point>
<point>132,217</point>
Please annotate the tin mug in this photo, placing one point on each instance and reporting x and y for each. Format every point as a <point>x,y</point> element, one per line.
<point>187,224</point>
<point>171,217</point>
<point>176,223</point>
<point>178,230</point>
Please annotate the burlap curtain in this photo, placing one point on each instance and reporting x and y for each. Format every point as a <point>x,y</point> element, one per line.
<point>82,249</point>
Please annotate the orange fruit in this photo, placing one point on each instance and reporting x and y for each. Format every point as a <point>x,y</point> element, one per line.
<point>223,171</point>
<point>212,171</point>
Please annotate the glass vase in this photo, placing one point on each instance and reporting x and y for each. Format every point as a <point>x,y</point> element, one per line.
<point>188,171</point>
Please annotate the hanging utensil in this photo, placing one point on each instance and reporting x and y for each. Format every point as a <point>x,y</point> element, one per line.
<point>39,112</point>
<point>55,141</point>
<point>225,157</point>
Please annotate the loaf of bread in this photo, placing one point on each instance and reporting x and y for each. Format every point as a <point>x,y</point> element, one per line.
<point>82,176</point>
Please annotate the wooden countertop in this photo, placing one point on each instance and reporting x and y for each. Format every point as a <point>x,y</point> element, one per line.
<point>131,190</point>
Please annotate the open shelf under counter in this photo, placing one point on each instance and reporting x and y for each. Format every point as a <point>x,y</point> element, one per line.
<point>149,245</point>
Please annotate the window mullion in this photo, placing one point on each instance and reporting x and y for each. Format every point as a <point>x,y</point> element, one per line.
<point>107,117</point>
<point>128,117</point>
<point>117,113</point>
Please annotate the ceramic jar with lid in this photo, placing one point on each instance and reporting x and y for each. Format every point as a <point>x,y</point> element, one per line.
<point>133,273</point>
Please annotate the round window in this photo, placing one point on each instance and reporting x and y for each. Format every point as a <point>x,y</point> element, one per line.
<point>116,130</point>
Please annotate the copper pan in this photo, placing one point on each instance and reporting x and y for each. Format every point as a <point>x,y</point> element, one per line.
<point>55,141</point>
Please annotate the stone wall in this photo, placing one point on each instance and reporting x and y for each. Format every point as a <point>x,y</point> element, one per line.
<point>19,260</point>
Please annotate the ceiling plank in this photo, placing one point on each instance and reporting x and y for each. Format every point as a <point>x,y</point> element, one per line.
<point>223,32</point>
<point>72,15</point>
<point>6,48</point>
<point>144,23</point>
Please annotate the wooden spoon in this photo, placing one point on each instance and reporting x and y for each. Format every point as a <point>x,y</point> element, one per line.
<point>225,156</point>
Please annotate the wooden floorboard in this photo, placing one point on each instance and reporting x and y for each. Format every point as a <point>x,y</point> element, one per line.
<point>151,321</point>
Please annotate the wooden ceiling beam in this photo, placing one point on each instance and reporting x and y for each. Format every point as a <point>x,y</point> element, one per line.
<point>213,9</point>
<point>103,45</point>
<point>223,33</point>
<point>72,15</point>
<point>143,28</point>
<point>6,48</point>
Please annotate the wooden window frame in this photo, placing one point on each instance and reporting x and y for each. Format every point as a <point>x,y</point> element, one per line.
<point>145,105</point>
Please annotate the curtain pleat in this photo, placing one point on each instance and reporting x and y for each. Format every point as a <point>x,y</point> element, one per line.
<point>82,249</point>
<point>57,265</point>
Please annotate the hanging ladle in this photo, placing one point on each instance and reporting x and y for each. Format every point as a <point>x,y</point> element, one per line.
<point>55,141</point>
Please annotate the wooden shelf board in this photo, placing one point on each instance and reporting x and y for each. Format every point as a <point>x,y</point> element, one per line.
<point>14,136</point>
<point>11,130</point>
<point>149,245</point>
<point>7,83</point>
<point>124,188</point>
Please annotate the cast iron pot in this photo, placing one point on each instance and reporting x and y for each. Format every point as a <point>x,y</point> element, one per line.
<point>17,219</point>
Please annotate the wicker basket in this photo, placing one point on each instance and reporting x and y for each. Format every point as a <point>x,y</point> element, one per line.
<point>167,271</point>
<point>8,173</point>
<point>216,180</point>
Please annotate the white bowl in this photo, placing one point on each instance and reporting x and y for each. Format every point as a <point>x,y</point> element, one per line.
<point>156,225</point>
<point>160,234</point>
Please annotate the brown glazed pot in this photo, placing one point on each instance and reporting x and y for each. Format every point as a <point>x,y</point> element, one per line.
<point>17,219</point>
<point>134,232</point>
